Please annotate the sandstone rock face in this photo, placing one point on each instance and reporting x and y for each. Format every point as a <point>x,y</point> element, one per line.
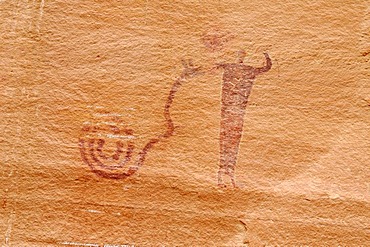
<point>115,116</point>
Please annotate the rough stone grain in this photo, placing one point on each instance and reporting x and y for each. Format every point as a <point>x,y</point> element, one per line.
<point>303,165</point>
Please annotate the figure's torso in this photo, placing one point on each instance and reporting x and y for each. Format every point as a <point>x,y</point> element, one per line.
<point>239,71</point>
<point>237,84</point>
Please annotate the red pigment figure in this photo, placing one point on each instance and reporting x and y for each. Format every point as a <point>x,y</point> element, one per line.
<point>92,149</point>
<point>237,83</point>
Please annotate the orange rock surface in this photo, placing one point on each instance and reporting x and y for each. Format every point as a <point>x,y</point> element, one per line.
<point>143,75</point>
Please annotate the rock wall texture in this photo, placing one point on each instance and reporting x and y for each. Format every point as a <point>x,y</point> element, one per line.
<point>184,123</point>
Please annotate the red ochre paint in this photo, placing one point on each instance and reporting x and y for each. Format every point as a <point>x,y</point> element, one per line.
<point>237,83</point>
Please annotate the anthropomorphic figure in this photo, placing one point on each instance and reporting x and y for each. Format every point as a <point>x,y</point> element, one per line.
<point>237,83</point>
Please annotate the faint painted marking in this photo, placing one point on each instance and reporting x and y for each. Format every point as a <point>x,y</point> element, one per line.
<point>79,244</point>
<point>109,115</point>
<point>96,107</point>
<point>41,13</point>
<point>9,229</point>
<point>5,197</point>
<point>120,136</point>
<point>16,17</point>
<point>119,245</point>
<point>215,40</point>
<point>94,211</point>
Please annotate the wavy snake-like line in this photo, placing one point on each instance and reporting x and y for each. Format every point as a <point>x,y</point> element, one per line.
<point>189,71</point>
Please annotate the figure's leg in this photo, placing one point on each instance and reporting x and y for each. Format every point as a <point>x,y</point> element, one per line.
<point>230,135</point>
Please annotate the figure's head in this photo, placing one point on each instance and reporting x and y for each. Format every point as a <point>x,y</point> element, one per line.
<point>241,56</point>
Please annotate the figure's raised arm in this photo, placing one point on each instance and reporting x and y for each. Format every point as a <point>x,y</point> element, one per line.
<point>267,67</point>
